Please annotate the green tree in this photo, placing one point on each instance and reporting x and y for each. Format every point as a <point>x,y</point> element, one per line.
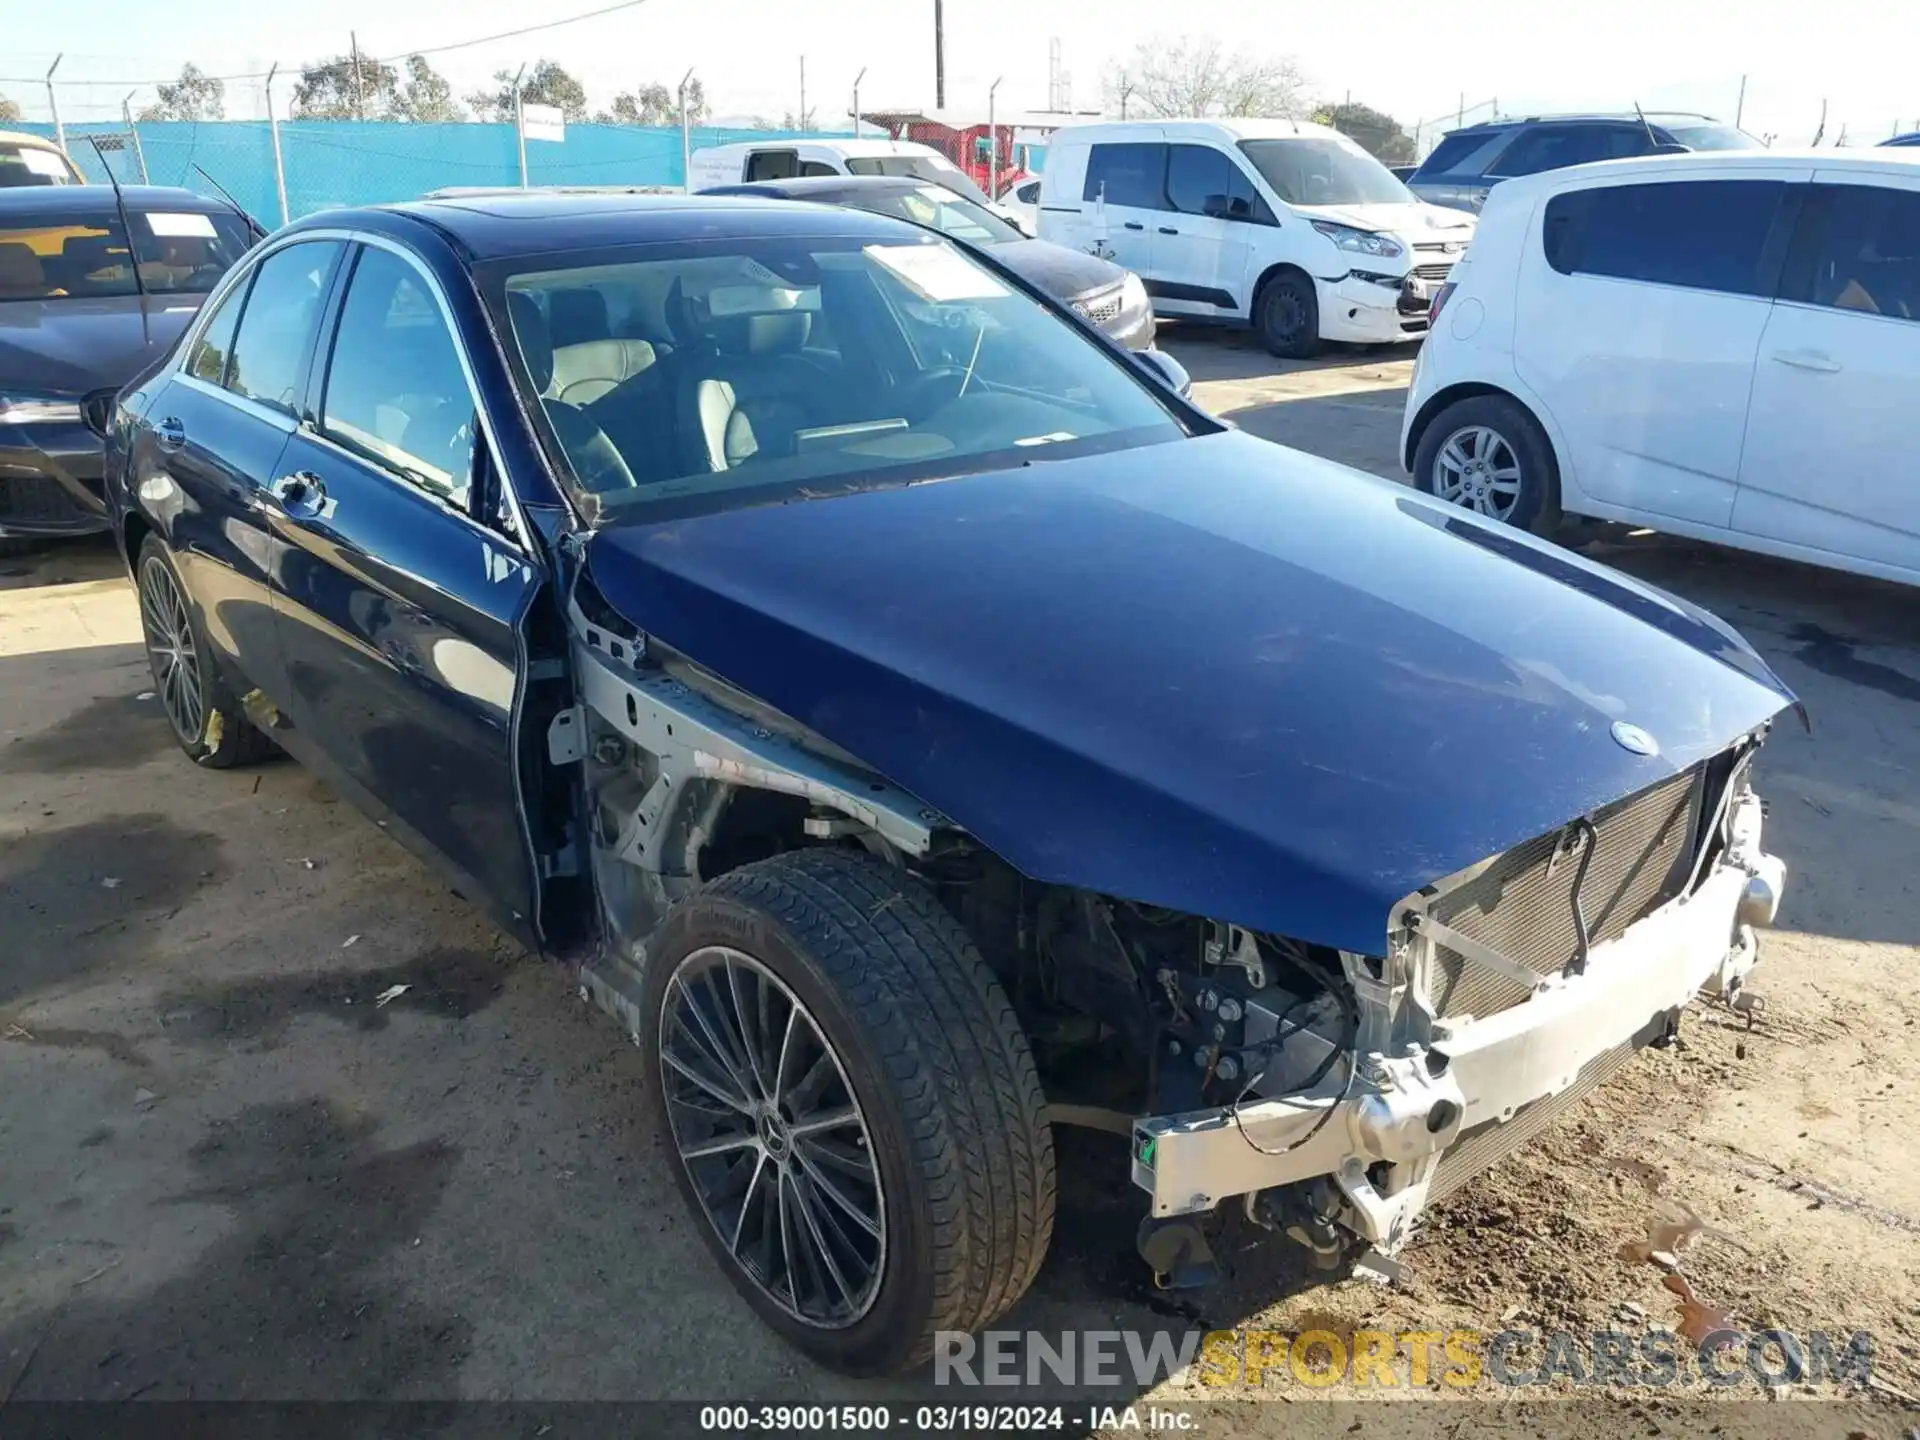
<point>1375,131</point>
<point>195,95</point>
<point>425,98</point>
<point>656,104</point>
<point>336,89</point>
<point>9,108</point>
<point>546,83</point>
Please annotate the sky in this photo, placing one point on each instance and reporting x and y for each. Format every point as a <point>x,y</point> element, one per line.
<point>1419,62</point>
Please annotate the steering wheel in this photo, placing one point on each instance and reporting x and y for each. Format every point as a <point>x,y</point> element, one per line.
<point>929,390</point>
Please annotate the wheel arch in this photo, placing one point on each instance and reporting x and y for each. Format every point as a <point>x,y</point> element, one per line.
<point>1267,277</point>
<point>1467,390</point>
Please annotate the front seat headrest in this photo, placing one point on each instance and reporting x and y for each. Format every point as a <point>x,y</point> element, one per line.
<point>536,340</point>
<point>782,333</point>
<point>578,317</point>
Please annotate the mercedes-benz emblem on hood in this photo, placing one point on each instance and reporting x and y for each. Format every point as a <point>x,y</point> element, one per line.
<point>1632,737</point>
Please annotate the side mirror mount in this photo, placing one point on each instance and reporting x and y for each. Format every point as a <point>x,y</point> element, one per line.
<point>1169,370</point>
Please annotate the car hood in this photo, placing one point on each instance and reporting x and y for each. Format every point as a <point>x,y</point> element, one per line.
<point>1414,219</point>
<point>1063,273</point>
<point>73,346</point>
<point>1210,674</point>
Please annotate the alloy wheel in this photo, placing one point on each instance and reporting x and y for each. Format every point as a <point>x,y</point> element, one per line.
<point>1476,468</point>
<point>171,652</point>
<point>772,1137</point>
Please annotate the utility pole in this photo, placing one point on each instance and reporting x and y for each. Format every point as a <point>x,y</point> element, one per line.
<point>939,56</point>
<point>53,103</point>
<point>686,136</point>
<point>993,143</point>
<point>519,124</point>
<point>1126,89</point>
<point>1460,119</point>
<point>359,101</point>
<point>856,100</point>
<point>279,163</point>
<point>1740,105</point>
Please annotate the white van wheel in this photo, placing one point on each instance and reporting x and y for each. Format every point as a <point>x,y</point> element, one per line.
<point>1287,315</point>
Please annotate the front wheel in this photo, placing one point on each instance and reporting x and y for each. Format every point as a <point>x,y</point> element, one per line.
<point>852,1107</point>
<point>1287,316</point>
<point>1487,454</point>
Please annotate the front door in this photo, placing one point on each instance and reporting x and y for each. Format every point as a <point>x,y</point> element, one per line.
<point>1200,248</point>
<point>1832,455</point>
<point>398,611</point>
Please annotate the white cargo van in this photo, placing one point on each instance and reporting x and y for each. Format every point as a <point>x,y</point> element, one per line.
<point>1289,227</point>
<point>789,159</point>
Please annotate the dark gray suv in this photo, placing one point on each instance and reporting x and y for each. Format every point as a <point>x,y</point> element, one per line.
<point>1467,163</point>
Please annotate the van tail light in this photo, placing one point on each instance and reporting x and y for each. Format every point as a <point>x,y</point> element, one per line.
<point>1440,298</point>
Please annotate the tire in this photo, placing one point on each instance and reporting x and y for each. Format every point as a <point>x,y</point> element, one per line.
<point>1287,315</point>
<point>11,545</point>
<point>205,716</point>
<point>1498,435</point>
<point>949,1117</point>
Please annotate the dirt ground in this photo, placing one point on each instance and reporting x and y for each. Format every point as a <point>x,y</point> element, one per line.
<point>230,1171</point>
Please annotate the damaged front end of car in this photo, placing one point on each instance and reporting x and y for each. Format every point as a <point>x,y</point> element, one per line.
<point>1328,1095</point>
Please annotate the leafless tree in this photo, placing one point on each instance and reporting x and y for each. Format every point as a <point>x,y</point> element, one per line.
<point>1200,76</point>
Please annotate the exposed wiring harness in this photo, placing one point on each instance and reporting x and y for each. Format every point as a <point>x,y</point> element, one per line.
<point>1344,1050</point>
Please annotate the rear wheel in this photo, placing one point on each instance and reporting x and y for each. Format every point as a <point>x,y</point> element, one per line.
<point>852,1107</point>
<point>1488,455</point>
<point>1287,316</point>
<point>206,718</point>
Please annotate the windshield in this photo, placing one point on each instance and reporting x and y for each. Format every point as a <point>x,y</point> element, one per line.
<point>1710,135</point>
<point>1324,170</point>
<point>937,168</point>
<point>34,165</point>
<point>178,252</point>
<point>804,367</point>
<point>942,210</point>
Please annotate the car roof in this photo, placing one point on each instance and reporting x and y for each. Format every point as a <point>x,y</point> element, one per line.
<point>23,137</point>
<point>844,145</point>
<point>59,201</point>
<point>1863,163</point>
<point>491,227</point>
<point>1240,127</point>
<point>1586,117</point>
<point>804,187</point>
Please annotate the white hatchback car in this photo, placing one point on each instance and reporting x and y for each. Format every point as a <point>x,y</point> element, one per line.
<point>1724,346</point>
<point>1292,228</point>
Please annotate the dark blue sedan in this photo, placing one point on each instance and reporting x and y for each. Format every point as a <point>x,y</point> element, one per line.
<point>921,728</point>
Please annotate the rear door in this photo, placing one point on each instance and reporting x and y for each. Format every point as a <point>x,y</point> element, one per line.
<point>1125,193</point>
<point>212,439</point>
<point>1640,308</point>
<point>398,611</point>
<point>1832,454</point>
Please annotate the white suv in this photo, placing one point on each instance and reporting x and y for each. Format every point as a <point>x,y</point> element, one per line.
<point>1725,346</point>
<point>1292,228</point>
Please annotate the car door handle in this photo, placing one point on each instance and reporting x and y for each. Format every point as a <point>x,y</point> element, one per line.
<point>1133,225</point>
<point>1168,230</point>
<point>301,494</point>
<point>170,433</point>
<point>1817,360</point>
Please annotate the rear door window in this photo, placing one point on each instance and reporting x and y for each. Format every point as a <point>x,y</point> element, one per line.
<point>1555,147</point>
<point>773,165</point>
<point>1133,175</point>
<point>270,354</point>
<point>1699,234</point>
<point>1465,153</point>
<point>1857,247</point>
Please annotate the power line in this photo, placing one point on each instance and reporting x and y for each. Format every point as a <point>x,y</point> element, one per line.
<point>382,60</point>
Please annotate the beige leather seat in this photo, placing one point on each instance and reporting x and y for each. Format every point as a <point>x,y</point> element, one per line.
<point>585,372</point>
